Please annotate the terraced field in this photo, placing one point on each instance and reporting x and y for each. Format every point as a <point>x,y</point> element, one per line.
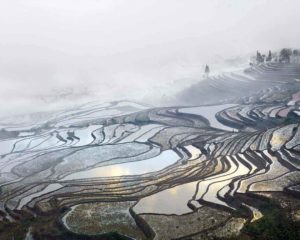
<point>179,172</point>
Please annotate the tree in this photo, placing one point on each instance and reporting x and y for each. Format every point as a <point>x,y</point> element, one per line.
<point>207,70</point>
<point>259,57</point>
<point>285,55</point>
<point>296,52</point>
<point>296,56</point>
<point>269,58</point>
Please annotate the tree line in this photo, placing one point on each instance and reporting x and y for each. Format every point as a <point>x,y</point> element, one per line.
<point>285,55</point>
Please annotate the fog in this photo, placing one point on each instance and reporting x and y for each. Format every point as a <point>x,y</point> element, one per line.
<point>70,51</point>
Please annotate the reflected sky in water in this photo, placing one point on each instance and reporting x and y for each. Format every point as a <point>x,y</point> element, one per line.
<point>157,163</point>
<point>209,112</point>
<point>170,201</point>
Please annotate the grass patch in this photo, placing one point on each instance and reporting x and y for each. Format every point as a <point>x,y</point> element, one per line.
<point>275,225</point>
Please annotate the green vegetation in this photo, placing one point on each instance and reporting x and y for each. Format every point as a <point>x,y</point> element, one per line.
<point>275,225</point>
<point>46,228</point>
<point>17,230</point>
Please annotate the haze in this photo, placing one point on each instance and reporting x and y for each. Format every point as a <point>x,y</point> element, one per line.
<point>73,50</point>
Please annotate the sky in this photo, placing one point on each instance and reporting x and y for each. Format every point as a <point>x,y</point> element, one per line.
<point>75,50</point>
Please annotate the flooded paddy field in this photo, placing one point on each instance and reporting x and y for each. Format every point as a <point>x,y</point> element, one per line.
<point>203,169</point>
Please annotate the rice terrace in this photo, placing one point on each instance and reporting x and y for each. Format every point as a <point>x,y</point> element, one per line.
<point>149,120</point>
<point>125,167</point>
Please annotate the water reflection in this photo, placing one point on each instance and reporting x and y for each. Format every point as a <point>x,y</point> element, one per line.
<point>157,163</point>
<point>49,188</point>
<point>209,112</point>
<point>170,201</point>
